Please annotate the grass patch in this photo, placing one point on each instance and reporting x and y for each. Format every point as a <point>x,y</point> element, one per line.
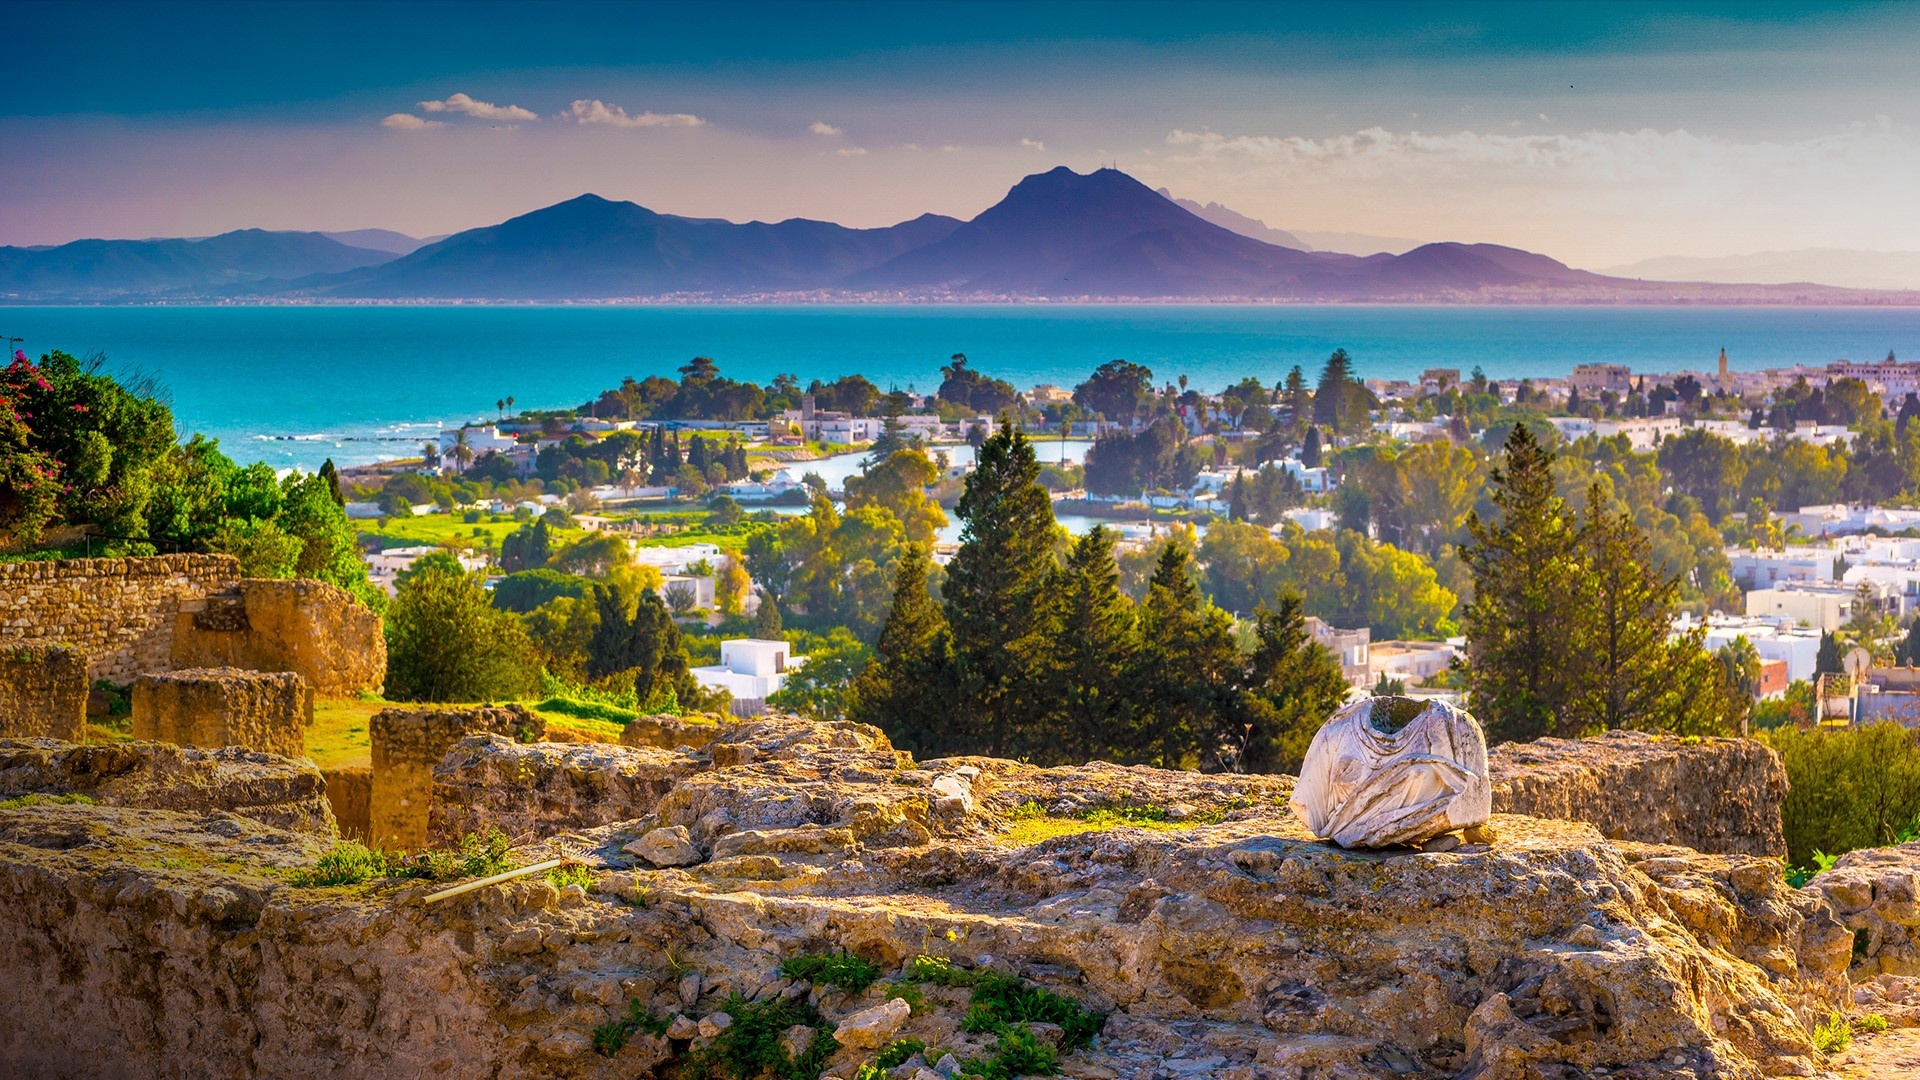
<point>910,993</point>
<point>590,731</point>
<point>1033,824</point>
<point>339,738</point>
<point>1871,1024</point>
<point>430,529</point>
<point>611,1036</point>
<point>1018,1053</point>
<point>1833,1034</point>
<point>21,802</point>
<point>481,854</point>
<point>585,710</point>
<point>352,863</point>
<point>578,874</point>
<point>754,1045</point>
<point>844,970</point>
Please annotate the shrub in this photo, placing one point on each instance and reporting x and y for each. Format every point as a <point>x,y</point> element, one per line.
<point>351,863</point>
<point>897,1052</point>
<point>480,854</point>
<point>1872,1023</point>
<point>939,971</point>
<point>844,970</point>
<point>1832,1035</point>
<point>577,874</point>
<point>586,710</point>
<point>1850,788</point>
<point>754,1045</point>
<point>1001,1001</point>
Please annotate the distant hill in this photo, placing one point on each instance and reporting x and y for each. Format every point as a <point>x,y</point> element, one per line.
<point>590,247</point>
<point>1350,243</point>
<point>112,269</point>
<point>381,240</point>
<point>1829,266</point>
<point>1234,221</point>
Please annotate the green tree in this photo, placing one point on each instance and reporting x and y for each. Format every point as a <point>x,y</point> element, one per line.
<point>637,637</point>
<point>898,483</point>
<point>1116,390</point>
<point>819,688</point>
<point>1827,661</point>
<point>993,594</point>
<point>1184,670</point>
<point>1089,660</point>
<point>1524,566</point>
<point>904,691</point>
<point>447,642</point>
<point>766,620</point>
<point>1293,684</point>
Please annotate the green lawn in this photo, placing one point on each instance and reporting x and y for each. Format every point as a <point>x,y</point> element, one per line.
<point>431,529</point>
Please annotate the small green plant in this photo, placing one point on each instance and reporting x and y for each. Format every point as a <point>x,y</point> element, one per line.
<point>609,1037</point>
<point>897,1052</point>
<point>939,971</point>
<point>1027,811</point>
<point>350,862</point>
<point>910,993</point>
<point>676,963</point>
<point>755,1043</point>
<point>586,710</point>
<point>844,970</point>
<point>119,698</point>
<point>1018,1053</point>
<point>1832,1035</point>
<point>1001,1001</point>
<point>1798,876</point>
<point>1871,1024</point>
<point>21,802</point>
<point>571,874</point>
<point>479,854</point>
<point>870,1072</point>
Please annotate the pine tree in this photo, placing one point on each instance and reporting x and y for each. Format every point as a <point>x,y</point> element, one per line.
<point>1293,684</point>
<point>766,619</point>
<point>1310,450</point>
<point>1184,669</point>
<point>1332,399</point>
<point>646,643</point>
<point>1573,401</point>
<point>332,477</point>
<point>903,691</point>
<point>1623,613</point>
<point>1827,660</point>
<point>1299,401</point>
<point>993,594</point>
<point>1524,567</point>
<point>1090,657</point>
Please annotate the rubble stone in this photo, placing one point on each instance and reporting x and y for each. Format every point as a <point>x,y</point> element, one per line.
<point>208,707</point>
<point>286,793</point>
<point>43,691</point>
<point>540,789</point>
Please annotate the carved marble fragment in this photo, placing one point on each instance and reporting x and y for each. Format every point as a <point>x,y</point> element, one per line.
<point>1392,770</point>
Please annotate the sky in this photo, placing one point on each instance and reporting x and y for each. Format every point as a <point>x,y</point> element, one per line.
<point>1599,134</point>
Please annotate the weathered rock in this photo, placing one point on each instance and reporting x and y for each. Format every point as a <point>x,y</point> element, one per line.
<point>43,691</point>
<point>870,1029</point>
<point>312,628</point>
<point>408,743</point>
<point>536,790</point>
<point>1716,795</point>
<point>286,793</point>
<point>210,707</point>
<point>1390,770</point>
<point>1226,944</point>
<point>350,793</point>
<point>1875,893</point>
<point>669,732</point>
<point>669,846</point>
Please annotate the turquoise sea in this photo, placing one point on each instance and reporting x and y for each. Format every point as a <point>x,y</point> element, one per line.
<point>296,385</point>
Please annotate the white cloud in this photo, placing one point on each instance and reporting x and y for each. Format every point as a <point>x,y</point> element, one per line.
<point>949,149</point>
<point>409,122</point>
<point>852,151</point>
<point>1033,144</point>
<point>1592,197</point>
<point>479,110</point>
<point>821,127</point>
<point>595,111</point>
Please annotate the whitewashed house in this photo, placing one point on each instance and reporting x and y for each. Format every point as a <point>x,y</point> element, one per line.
<point>749,669</point>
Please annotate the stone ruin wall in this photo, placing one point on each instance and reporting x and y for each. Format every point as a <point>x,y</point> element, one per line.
<point>43,692</point>
<point>349,792</point>
<point>156,613</point>
<point>408,744</point>
<point>120,613</point>
<point>268,711</point>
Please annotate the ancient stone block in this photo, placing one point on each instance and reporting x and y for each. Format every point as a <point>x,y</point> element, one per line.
<point>1715,795</point>
<point>668,732</point>
<point>349,792</point>
<point>269,624</point>
<point>43,692</point>
<point>119,612</point>
<point>408,743</point>
<point>265,711</point>
<point>286,793</point>
<point>539,789</point>
<point>1875,893</point>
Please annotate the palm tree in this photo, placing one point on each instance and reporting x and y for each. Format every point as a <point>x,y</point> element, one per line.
<point>509,402</point>
<point>500,407</point>
<point>462,453</point>
<point>430,454</point>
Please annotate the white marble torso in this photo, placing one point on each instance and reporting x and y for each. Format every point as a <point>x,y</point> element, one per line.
<point>1366,785</point>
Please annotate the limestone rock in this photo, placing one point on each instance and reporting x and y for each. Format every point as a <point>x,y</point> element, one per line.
<point>1388,770</point>
<point>408,743</point>
<point>870,1029</point>
<point>668,846</point>
<point>43,691</point>
<point>286,793</point>
<point>312,628</point>
<point>1716,795</point>
<point>713,1024</point>
<point>1875,893</point>
<point>669,732</point>
<point>212,707</point>
<point>539,789</point>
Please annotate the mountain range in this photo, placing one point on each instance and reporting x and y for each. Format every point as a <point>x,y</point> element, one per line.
<point>1057,235</point>
<point>1846,267</point>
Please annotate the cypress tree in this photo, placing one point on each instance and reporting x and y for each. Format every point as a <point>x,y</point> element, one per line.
<point>1524,565</point>
<point>902,691</point>
<point>1616,629</point>
<point>646,643</point>
<point>1310,450</point>
<point>1827,661</point>
<point>1293,684</point>
<point>766,619</point>
<point>1299,401</point>
<point>1184,669</point>
<point>332,477</point>
<point>993,594</point>
<point>1091,656</point>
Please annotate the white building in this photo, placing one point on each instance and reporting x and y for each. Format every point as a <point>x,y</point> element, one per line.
<point>1839,519</point>
<point>1309,518</point>
<point>749,669</point>
<point>383,567</point>
<point>1773,639</point>
<point>1823,607</point>
<point>480,440</point>
<point>674,560</point>
<point>1409,661</point>
<point>699,588</point>
<point>1765,569</point>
